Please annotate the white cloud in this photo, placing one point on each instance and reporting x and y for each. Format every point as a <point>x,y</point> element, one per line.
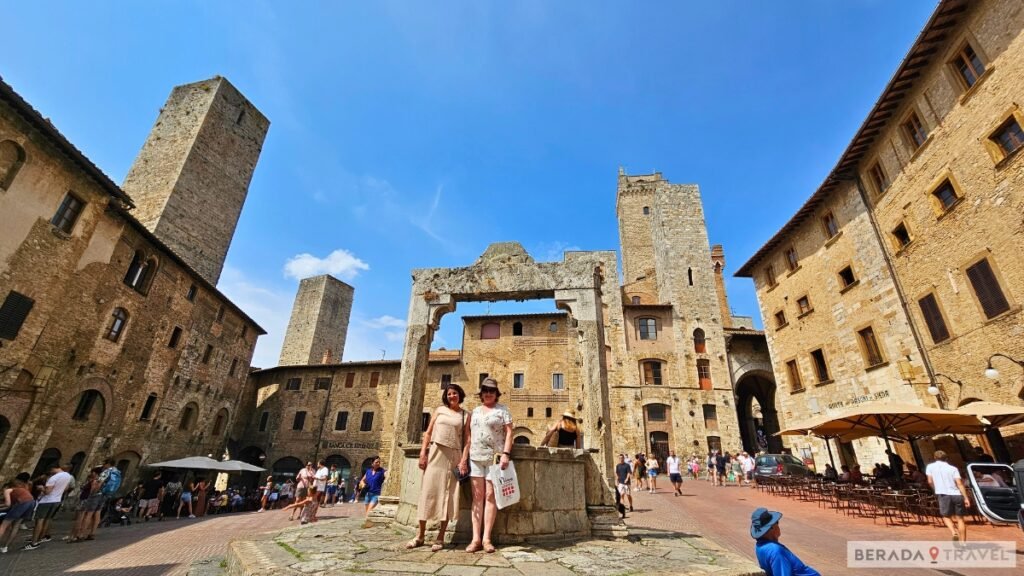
<point>385,321</point>
<point>340,263</point>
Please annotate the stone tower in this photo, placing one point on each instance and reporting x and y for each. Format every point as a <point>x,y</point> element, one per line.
<point>319,322</point>
<point>191,177</point>
<point>670,275</point>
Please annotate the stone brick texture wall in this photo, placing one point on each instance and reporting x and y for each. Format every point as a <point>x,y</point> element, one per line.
<point>319,322</point>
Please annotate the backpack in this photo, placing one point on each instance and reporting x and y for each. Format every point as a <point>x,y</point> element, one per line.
<point>113,482</point>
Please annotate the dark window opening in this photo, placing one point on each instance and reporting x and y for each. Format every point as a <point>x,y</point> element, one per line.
<point>901,235</point>
<point>872,353</point>
<point>547,412</point>
<point>140,273</point>
<point>322,383</point>
<point>264,420</point>
<point>191,294</point>
<point>117,322</point>
<point>803,303</point>
<point>699,341</point>
<point>482,376</point>
<point>820,367</point>
<point>968,65</point>
<point>914,130</point>
<point>367,423</point>
<point>13,313</point>
<point>710,417</point>
<point>188,416</point>
<point>519,381</point>
<point>175,337</point>
<point>220,314</point>
<point>648,328</point>
<point>652,372</point>
<point>780,319</point>
<point>793,370</point>
<point>831,226</point>
<point>878,178</point>
<point>234,366</point>
<point>647,210</point>
<point>792,260</point>
<point>218,423</point>
<point>341,420</point>
<point>517,329</point>
<point>689,276</point>
<point>946,195</point>
<point>553,327</point>
<point>207,353</point>
<point>425,421</point>
<point>847,277</point>
<point>67,214</point>
<point>446,379</point>
<point>293,384</point>
<point>12,158</point>
<point>1009,136</point>
<point>769,276</point>
<point>299,422</point>
<point>656,413</point>
<point>85,404</point>
<point>529,412</point>
<point>635,300</point>
<point>147,409</point>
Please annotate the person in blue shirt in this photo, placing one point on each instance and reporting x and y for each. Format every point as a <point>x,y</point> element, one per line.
<point>373,481</point>
<point>774,558</point>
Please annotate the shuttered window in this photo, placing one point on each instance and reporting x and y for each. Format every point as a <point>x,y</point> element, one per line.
<point>933,318</point>
<point>986,287</point>
<point>13,313</point>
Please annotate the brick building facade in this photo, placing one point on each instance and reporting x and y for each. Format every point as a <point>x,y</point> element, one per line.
<point>902,272</point>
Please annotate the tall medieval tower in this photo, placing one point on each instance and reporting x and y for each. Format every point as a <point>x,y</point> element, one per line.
<point>191,177</point>
<point>678,377</point>
<point>319,322</point>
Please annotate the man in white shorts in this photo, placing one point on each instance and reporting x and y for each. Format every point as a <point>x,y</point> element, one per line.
<point>623,475</point>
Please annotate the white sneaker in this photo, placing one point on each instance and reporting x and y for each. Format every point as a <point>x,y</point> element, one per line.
<point>3,550</point>
<point>191,516</point>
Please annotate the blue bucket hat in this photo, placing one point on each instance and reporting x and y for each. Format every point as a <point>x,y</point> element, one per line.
<point>761,521</point>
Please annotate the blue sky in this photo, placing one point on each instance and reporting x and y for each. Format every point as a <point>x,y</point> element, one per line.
<point>412,135</point>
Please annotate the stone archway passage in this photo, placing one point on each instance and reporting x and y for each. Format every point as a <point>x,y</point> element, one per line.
<point>506,272</point>
<point>758,430</point>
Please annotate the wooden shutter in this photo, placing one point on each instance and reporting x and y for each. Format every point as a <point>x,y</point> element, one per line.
<point>933,318</point>
<point>990,295</point>
<point>13,313</point>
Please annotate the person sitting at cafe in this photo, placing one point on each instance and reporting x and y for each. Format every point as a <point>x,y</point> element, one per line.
<point>845,476</point>
<point>830,473</point>
<point>856,477</point>
<point>915,476</point>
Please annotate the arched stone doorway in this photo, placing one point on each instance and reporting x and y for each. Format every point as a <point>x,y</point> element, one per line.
<point>341,463</point>
<point>257,457</point>
<point>49,458</point>
<point>755,409</point>
<point>287,467</point>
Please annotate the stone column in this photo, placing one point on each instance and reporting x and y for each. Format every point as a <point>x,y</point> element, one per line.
<point>424,316</point>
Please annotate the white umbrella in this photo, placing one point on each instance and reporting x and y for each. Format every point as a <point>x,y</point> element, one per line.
<point>190,463</point>
<point>238,466</point>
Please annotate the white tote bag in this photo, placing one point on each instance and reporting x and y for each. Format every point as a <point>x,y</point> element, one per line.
<point>506,485</point>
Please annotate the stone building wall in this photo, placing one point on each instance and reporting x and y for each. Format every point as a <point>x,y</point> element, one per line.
<point>319,322</point>
<point>192,175</point>
<point>67,384</point>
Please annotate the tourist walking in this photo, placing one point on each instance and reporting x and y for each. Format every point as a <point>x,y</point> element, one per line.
<point>490,445</point>
<point>774,558</point>
<point>444,450</point>
<point>332,485</point>
<point>639,472</point>
<point>675,476</point>
<point>20,504</point>
<point>720,463</point>
<point>373,482</point>
<point>944,478</point>
<point>267,489</point>
<point>152,496</point>
<point>320,478</point>
<point>185,501</point>
<point>49,502</point>
<point>565,433</point>
<point>623,474</point>
<point>653,469</point>
<point>199,497</point>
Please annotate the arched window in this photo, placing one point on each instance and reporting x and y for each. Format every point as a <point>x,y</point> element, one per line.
<point>48,459</point>
<point>147,409</point>
<point>85,403</point>
<point>648,328</point>
<point>76,463</point>
<point>699,343</point>
<point>521,440</point>
<point>220,422</point>
<point>517,329</point>
<point>117,322</point>
<point>12,157</point>
<point>490,331</point>
<point>647,210</point>
<point>140,272</point>
<point>188,417</point>
<point>651,370</point>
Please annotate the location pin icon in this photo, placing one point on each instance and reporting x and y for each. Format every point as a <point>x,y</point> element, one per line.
<point>934,551</point>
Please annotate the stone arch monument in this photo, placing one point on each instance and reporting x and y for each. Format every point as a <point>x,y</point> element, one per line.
<point>506,272</point>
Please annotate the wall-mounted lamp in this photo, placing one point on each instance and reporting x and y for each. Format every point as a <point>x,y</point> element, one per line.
<point>991,373</point>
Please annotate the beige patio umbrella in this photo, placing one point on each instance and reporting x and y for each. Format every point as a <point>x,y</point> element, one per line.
<point>898,420</point>
<point>996,415</point>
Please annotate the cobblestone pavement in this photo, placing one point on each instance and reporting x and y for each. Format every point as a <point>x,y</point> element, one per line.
<point>348,546</point>
<point>818,535</point>
<point>144,549</point>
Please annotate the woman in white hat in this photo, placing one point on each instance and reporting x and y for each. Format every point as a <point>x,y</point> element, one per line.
<point>490,427</point>
<point>566,430</point>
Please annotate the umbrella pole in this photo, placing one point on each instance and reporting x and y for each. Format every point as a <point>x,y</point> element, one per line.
<point>885,435</point>
<point>918,457</point>
<point>830,458</point>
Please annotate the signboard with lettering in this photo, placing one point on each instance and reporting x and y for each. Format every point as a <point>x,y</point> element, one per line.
<point>327,445</point>
<point>859,400</point>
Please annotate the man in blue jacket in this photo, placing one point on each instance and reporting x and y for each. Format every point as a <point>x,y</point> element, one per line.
<point>774,558</point>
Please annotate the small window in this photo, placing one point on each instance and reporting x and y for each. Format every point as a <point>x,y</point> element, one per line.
<point>901,236</point>
<point>446,380</point>
<point>425,422</point>
<point>780,319</point>
<point>293,384</point>
<point>117,322</point>
<point>803,304</point>
<point>207,353</point>
<point>300,420</point>
<point>872,353</point>
<point>529,412</point>
<point>945,195</point>
<point>914,131</point>
<point>793,371</point>
<point>366,424</point>
<point>244,332</point>
<point>218,423</point>
<point>700,345</point>
<point>147,408</point>
<point>323,383</point>
<point>635,300</point>
<point>517,329</point>
<point>648,328</point>
<point>986,288</point>
<point>12,158</point>
<point>933,318</point>
<point>188,418</point>
<point>341,421</point>
<point>967,65</point>
<point>704,374</point>
<point>769,276</point>
<point>846,277</point>
<point>350,379</point>
<point>220,314</point>
<point>547,412</point>
<point>264,420</point>
<point>191,294</point>
<point>710,417</point>
<point>820,366</point>
<point>651,372</point>
<point>67,214</point>
<point>482,376</point>
<point>879,179</point>
<point>234,366</point>
<point>656,413</point>
<point>1008,136</point>
<point>175,337</point>
<point>490,331</point>
<point>13,313</point>
<point>831,226</point>
<point>140,272</point>
<point>689,276</point>
<point>647,210</point>
<point>558,381</point>
<point>519,381</point>
<point>85,403</point>
<point>553,327</point>
<point>374,379</point>
<point>792,260</point>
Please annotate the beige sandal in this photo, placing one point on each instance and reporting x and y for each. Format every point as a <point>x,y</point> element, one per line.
<point>474,546</point>
<point>488,547</point>
<point>414,543</point>
<point>437,546</point>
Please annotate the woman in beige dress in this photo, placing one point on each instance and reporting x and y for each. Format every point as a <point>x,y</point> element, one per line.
<point>445,447</point>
